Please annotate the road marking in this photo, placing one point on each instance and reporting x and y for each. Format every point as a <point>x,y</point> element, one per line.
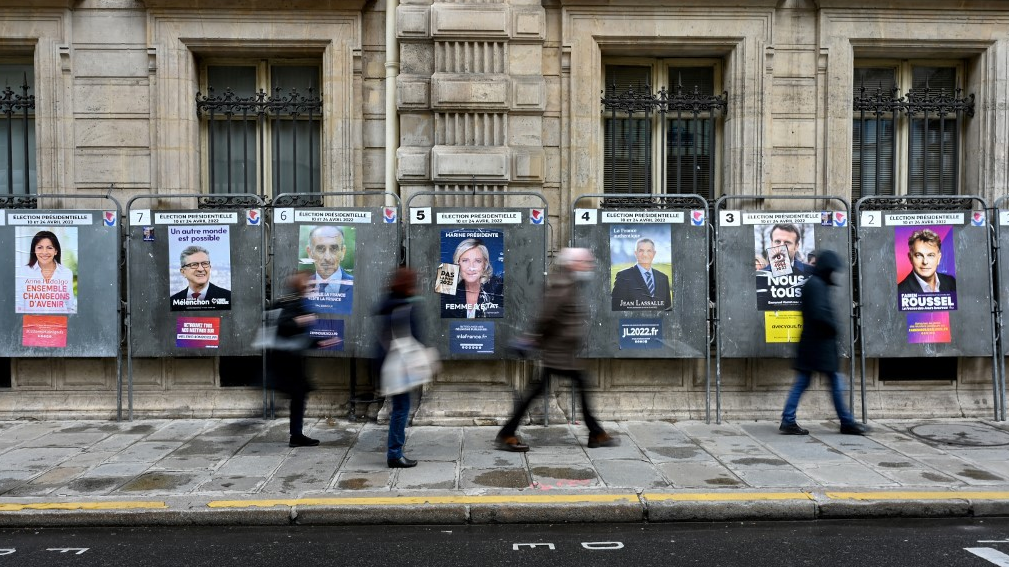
<point>949,495</point>
<point>82,506</point>
<point>724,496</point>
<point>990,555</point>
<point>412,500</point>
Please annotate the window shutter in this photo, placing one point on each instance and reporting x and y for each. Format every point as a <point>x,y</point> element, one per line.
<point>628,138</point>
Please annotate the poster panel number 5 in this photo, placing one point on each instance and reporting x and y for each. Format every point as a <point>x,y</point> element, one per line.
<point>420,215</point>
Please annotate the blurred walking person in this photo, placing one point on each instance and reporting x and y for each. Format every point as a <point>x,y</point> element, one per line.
<point>817,348</point>
<point>399,318</point>
<point>558,333</point>
<point>285,361</point>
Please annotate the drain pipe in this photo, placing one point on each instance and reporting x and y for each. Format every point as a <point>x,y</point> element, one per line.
<point>391,114</point>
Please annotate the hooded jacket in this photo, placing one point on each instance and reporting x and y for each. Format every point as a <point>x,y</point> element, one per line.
<point>817,348</point>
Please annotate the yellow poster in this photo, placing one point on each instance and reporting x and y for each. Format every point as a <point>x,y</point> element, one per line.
<point>782,326</point>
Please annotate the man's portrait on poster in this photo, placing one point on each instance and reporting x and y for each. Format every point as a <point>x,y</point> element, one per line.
<point>926,287</point>
<point>641,286</point>
<point>331,287</point>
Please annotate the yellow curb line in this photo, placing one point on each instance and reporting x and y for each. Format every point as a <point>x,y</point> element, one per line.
<point>409,500</point>
<point>917,495</point>
<point>82,506</point>
<point>722,496</point>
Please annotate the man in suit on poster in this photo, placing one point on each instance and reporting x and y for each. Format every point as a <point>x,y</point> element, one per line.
<point>924,250</point>
<point>640,287</point>
<point>200,293</point>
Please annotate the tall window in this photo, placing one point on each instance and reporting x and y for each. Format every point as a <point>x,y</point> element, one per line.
<point>661,120</point>
<point>908,141</point>
<point>261,127</point>
<point>17,129</point>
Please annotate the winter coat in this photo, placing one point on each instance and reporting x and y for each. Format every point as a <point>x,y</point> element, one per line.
<point>560,329</point>
<point>286,370</point>
<point>817,348</point>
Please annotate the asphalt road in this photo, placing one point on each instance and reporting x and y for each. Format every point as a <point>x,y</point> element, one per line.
<point>891,543</point>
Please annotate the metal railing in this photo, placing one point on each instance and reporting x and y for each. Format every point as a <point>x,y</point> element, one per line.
<point>15,106</point>
<point>684,116</point>
<point>236,111</point>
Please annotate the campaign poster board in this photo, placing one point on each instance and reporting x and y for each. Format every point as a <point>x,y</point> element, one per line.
<point>925,286</point>
<point>349,254</point>
<point>195,281</point>
<point>481,276</point>
<point>61,295</point>
<point>762,261</point>
<point>649,296</point>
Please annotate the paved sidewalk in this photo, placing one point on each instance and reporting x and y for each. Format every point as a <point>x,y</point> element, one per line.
<point>165,472</point>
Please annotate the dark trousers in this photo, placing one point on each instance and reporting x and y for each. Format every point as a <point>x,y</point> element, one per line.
<point>577,380</point>
<point>298,399</point>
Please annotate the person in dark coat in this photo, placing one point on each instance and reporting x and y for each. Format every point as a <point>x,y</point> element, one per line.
<point>817,348</point>
<point>397,313</point>
<point>558,334</point>
<point>286,368</point>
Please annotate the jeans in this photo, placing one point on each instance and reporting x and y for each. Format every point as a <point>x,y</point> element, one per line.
<point>397,424</point>
<point>802,380</point>
<point>577,379</point>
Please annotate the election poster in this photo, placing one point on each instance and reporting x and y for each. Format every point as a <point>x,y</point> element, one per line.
<point>478,255</point>
<point>45,269</point>
<point>784,255</point>
<point>641,267</point>
<point>199,267</point>
<point>328,252</point>
<point>926,280</point>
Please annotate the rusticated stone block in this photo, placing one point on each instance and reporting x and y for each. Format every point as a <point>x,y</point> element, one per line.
<point>412,92</point>
<point>414,163</point>
<point>529,93</point>
<point>469,92</point>
<point>527,164</point>
<point>529,23</point>
<point>453,164</point>
<point>413,21</point>
<point>456,20</point>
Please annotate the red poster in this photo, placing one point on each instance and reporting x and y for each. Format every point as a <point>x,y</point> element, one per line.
<point>44,331</point>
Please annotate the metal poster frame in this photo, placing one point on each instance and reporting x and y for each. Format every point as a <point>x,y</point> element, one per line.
<point>204,201</point>
<point>940,204</point>
<point>434,196</point>
<point>685,201</point>
<point>1001,344</point>
<point>120,261</point>
<point>317,200</point>
<point>720,205</point>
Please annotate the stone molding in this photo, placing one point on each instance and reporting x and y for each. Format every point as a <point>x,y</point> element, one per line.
<point>178,37</point>
<point>979,38</point>
<point>45,34</point>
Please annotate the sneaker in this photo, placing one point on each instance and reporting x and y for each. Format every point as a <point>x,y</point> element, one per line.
<point>302,441</point>
<point>792,429</point>
<point>603,440</point>
<point>510,443</point>
<point>854,429</point>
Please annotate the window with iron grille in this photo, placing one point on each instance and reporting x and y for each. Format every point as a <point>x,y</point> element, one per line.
<point>261,127</point>
<point>661,125</point>
<point>911,143</point>
<point>17,129</point>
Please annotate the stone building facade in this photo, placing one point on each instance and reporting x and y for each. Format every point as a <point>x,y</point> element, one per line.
<point>494,96</point>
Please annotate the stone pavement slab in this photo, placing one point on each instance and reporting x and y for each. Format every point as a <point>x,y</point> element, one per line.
<point>242,471</point>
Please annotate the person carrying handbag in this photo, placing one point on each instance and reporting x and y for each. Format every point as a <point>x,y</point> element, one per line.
<point>286,367</point>
<point>399,318</point>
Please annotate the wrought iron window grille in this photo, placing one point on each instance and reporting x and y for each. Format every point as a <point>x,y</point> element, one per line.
<point>679,104</point>
<point>918,106</point>
<point>261,106</point>
<point>15,106</point>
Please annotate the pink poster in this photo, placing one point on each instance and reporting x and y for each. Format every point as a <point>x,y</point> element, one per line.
<point>928,327</point>
<point>44,331</point>
<point>197,332</point>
